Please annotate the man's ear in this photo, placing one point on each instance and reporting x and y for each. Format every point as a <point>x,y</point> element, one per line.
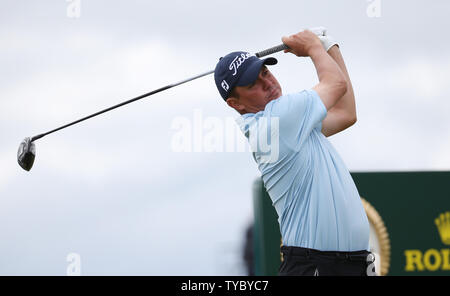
<point>235,104</point>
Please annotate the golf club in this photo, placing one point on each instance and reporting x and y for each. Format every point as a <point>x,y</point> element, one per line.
<point>27,149</point>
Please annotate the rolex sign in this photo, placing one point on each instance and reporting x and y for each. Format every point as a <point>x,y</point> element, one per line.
<point>409,216</point>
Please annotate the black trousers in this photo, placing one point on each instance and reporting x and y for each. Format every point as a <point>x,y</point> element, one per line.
<point>309,262</point>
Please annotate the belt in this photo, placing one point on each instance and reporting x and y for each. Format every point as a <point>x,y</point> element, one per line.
<point>362,255</point>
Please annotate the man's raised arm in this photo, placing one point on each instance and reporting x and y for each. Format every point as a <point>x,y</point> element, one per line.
<point>343,113</point>
<point>332,83</point>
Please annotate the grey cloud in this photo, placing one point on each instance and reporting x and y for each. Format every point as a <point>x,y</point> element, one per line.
<point>112,189</point>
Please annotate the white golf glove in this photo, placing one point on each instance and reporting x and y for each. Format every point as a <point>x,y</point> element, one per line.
<point>319,31</point>
<point>327,41</point>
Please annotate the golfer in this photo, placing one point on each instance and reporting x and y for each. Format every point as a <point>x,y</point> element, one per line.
<point>323,224</point>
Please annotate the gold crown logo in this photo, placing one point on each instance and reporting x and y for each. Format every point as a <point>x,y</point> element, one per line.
<point>443,226</point>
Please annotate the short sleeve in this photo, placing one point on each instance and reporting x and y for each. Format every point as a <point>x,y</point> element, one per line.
<point>299,114</point>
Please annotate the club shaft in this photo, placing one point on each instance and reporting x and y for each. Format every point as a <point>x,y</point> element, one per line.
<point>120,105</point>
<point>258,54</point>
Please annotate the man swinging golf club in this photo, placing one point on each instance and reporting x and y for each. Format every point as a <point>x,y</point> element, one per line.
<point>323,224</point>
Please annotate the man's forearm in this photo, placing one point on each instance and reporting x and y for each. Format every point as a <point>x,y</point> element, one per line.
<point>347,102</point>
<point>325,67</point>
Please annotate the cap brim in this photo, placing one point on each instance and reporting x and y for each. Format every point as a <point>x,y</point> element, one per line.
<point>250,76</point>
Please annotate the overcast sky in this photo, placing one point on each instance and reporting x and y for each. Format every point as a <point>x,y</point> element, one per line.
<point>114,189</point>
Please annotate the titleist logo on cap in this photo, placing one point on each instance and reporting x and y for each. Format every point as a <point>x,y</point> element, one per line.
<point>238,61</point>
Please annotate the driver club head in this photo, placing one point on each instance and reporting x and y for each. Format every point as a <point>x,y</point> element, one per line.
<point>26,154</point>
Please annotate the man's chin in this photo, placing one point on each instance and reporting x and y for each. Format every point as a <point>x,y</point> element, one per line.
<point>275,95</point>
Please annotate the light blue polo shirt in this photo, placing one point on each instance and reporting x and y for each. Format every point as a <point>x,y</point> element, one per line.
<point>317,202</point>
